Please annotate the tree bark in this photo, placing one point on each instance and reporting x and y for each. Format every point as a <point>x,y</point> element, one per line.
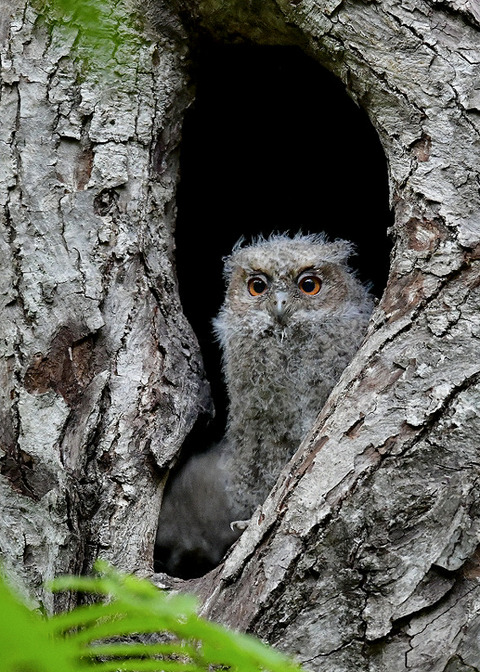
<point>101,373</point>
<point>365,555</point>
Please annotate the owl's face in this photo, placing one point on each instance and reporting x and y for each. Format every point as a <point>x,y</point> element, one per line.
<point>281,295</point>
<point>283,282</point>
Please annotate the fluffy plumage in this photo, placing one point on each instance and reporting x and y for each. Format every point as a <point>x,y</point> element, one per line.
<point>294,315</point>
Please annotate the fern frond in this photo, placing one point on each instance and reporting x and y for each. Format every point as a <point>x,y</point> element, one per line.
<point>91,638</point>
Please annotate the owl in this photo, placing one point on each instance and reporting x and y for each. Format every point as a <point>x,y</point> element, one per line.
<point>294,315</point>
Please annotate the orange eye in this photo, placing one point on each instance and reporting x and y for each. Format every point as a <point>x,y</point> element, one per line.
<point>257,286</point>
<point>310,284</point>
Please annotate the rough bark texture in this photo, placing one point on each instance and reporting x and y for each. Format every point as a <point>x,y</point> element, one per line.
<point>101,376</point>
<point>365,556</point>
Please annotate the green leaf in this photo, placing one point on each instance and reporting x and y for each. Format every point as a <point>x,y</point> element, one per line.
<point>86,639</point>
<point>24,641</point>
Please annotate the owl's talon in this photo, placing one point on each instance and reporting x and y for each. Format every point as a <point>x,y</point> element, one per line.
<point>239,525</point>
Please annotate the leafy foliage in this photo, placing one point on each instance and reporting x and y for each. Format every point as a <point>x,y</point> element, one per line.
<point>107,635</point>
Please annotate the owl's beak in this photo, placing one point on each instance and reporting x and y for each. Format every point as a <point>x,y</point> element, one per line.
<point>279,307</point>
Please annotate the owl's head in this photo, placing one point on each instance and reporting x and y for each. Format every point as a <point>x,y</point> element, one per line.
<point>281,281</point>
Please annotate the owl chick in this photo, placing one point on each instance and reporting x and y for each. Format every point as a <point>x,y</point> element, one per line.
<point>294,315</point>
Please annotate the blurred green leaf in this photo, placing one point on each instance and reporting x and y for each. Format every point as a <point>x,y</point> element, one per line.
<point>87,638</point>
<point>25,644</point>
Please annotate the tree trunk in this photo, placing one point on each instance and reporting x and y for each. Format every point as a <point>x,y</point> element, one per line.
<point>365,555</point>
<point>101,374</point>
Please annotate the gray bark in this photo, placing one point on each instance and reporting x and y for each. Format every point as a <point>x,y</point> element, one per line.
<point>365,555</point>
<point>101,374</point>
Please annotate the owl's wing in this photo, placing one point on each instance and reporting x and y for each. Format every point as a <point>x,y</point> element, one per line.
<point>194,524</point>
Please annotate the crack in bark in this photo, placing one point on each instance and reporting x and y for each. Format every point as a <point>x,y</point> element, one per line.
<point>418,309</point>
<point>435,607</point>
<point>448,8</point>
<point>430,422</point>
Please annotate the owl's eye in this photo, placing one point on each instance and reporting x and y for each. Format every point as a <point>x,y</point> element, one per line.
<point>310,284</point>
<point>257,286</point>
